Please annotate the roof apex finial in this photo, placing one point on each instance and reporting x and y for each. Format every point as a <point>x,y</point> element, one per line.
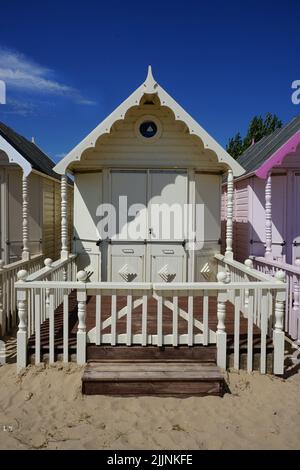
<point>150,83</point>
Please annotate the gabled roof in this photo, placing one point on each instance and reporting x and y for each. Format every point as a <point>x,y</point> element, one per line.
<point>149,87</point>
<point>37,159</point>
<point>256,155</point>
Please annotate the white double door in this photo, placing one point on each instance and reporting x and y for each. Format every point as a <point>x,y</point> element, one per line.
<point>149,243</point>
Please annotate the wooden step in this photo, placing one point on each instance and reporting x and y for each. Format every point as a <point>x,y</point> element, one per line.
<point>151,353</point>
<point>158,378</point>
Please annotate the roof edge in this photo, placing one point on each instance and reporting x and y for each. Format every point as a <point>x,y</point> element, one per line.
<point>14,156</point>
<point>290,146</point>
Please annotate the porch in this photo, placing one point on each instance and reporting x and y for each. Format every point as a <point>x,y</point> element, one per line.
<point>235,321</point>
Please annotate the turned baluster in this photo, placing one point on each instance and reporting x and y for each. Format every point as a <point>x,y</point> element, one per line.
<point>22,327</point>
<point>249,265</point>
<point>81,331</point>
<point>229,216</point>
<point>278,333</point>
<point>268,217</point>
<point>221,314</point>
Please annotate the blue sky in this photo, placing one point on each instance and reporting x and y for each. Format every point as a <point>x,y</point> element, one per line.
<point>69,64</point>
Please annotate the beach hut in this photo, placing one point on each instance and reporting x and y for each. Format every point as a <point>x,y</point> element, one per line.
<point>266,219</point>
<point>145,297</point>
<point>152,153</point>
<point>30,216</point>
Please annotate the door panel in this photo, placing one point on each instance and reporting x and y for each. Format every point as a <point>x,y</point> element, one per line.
<point>128,262</point>
<point>166,251</point>
<point>87,198</point>
<point>169,188</point>
<point>132,185</point>
<point>168,263</point>
<point>143,254</point>
<point>127,258</point>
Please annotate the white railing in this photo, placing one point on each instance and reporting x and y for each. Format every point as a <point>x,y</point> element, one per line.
<point>8,300</point>
<point>271,267</point>
<point>238,272</point>
<point>261,300</point>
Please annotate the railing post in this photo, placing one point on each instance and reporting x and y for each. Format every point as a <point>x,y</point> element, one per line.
<point>296,292</point>
<point>268,217</point>
<point>221,314</point>
<point>249,265</point>
<point>22,328</point>
<point>64,217</point>
<point>48,264</point>
<point>278,333</point>
<point>81,332</point>
<point>229,216</point>
<point>2,312</point>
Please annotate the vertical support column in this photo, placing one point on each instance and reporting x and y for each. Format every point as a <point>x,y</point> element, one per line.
<point>221,314</point>
<point>278,333</point>
<point>22,328</point>
<point>2,311</point>
<point>64,217</point>
<point>268,216</point>
<point>25,250</point>
<point>249,265</point>
<point>229,216</point>
<point>81,332</point>
<point>48,264</point>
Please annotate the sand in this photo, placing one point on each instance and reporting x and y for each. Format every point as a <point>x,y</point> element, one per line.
<point>43,409</point>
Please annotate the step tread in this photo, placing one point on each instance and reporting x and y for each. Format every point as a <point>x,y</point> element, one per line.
<point>159,371</point>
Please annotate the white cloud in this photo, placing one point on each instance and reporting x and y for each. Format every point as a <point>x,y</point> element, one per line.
<point>21,73</point>
<point>21,108</point>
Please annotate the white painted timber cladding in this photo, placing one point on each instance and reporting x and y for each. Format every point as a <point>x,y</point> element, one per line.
<point>122,147</point>
<point>52,219</point>
<point>43,214</point>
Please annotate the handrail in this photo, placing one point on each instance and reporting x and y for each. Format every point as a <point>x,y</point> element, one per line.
<point>243,268</point>
<point>20,262</point>
<point>122,286</point>
<point>50,268</point>
<point>276,264</point>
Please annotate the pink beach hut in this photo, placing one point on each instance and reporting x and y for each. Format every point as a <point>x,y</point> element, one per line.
<point>266,215</point>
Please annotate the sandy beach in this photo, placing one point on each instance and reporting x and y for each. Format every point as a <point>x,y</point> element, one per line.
<point>43,409</point>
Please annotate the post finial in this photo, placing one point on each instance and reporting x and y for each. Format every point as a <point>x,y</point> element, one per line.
<point>222,277</point>
<point>48,263</point>
<point>150,83</point>
<point>280,275</point>
<point>22,275</point>
<point>248,263</point>
<point>81,276</point>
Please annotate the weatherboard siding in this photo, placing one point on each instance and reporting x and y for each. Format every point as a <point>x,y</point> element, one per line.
<point>175,147</point>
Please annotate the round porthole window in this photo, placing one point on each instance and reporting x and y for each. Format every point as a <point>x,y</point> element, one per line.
<point>148,129</point>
